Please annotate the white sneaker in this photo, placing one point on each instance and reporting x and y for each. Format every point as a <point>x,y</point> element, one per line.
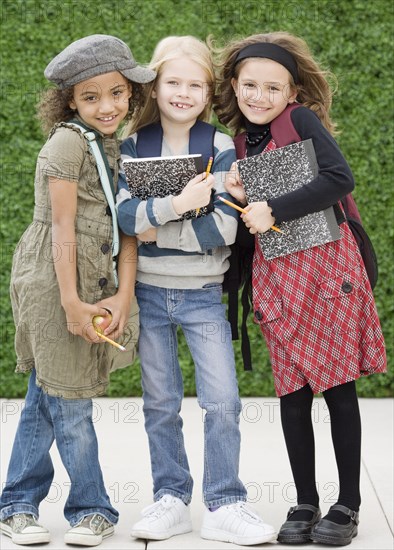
<point>90,531</point>
<point>236,523</point>
<point>24,529</point>
<point>165,518</point>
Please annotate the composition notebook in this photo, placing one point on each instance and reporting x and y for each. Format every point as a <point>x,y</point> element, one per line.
<point>279,172</point>
<point>162,176</point>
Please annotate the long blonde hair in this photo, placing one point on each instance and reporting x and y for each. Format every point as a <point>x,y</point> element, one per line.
<point>174,47</point>
<point>313,89</point>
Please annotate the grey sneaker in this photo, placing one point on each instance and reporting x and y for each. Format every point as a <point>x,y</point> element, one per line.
<point>90,531</point>
<point>24,529</point>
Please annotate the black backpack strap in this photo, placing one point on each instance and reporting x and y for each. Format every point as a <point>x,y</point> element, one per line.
<point>245,343</point>
<point>231,285</point>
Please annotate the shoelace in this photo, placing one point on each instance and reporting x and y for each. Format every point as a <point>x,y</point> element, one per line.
<point>243,511</point>
<point>157,509</point>
<point>20,521</point>
<point>95,522</point>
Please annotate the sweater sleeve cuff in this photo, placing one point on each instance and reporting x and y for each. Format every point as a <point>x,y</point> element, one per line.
<point>273,204</point>
<point>164,211</point>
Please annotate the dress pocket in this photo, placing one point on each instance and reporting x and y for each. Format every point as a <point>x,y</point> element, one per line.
<point>270,315</point>
<point>266,311</point>
<point>340,300</point>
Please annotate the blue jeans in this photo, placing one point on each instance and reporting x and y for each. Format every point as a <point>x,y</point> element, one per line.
<point>30,472</point>
<point>201,315</point>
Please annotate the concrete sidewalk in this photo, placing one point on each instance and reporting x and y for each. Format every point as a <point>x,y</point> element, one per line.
<point>264,469</point>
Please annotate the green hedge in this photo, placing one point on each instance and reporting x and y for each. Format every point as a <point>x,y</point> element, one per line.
<point>351,37</point>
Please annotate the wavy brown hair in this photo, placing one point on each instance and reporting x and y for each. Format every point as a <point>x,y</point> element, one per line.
<point>313,89</point>
<point>54,105</point>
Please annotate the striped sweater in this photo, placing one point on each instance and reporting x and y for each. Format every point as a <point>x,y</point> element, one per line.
<point>190,253</point>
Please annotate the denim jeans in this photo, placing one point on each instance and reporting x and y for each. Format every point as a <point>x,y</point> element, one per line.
<point>30,472</point>
<point>201,315</point>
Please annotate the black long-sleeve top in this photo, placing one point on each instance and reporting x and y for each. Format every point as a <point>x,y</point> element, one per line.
<point>333,182</point>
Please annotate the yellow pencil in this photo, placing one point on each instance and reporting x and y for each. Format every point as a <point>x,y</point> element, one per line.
<point>245,212</point>
<point>233,205</point>
<point>209,166</point>
<point>207,171</point>
<point>110,341</point>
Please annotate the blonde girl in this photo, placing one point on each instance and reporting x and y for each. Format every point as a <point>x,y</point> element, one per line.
<point>179,283</point>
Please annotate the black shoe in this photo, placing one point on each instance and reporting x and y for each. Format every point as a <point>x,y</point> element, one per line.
<point>328,532</point>
<point>297,532</point>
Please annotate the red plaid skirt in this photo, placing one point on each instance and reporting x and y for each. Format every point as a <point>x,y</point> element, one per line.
<point>318,315</point>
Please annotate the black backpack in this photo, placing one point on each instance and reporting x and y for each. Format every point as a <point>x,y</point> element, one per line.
<point>239,274</point>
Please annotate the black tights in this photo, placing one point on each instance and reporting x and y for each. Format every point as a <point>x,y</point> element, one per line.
<point>297,427</point>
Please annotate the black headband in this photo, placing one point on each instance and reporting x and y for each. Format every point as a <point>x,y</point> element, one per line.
<point>270,51</point>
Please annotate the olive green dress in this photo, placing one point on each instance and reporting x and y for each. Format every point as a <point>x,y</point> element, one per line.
<point>67,365</point>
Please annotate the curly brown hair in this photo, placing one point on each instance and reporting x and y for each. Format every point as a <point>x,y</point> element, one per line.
<point>54,105</point>
<point>314,89</point>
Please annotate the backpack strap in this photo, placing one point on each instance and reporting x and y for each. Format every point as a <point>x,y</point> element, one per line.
<point>96,147</point>
<point>282,127</point>
<point>150,140</point>
<point>201,140</point>
<point>240,145</point>
<point>202,136</point>
<point>282,131</point>
<point>231,286</point>
<point>364,243</point>
<point>350,208</point>
<point>245,342</point>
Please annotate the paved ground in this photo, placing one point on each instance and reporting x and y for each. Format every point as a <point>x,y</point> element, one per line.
<point>264,469</point>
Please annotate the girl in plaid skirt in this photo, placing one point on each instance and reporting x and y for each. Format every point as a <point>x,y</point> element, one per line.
<point>315,307</point>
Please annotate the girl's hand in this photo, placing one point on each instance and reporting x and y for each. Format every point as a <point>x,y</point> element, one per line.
<point>259,218</point>
<point>119,306</point>
<point>233,184</point>
<point>196,194</point>
<point>150,235</point>
<point>79,320</point>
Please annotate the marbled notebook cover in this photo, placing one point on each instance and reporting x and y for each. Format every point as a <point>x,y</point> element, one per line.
<point>162,176</point>
<point>276,173</point>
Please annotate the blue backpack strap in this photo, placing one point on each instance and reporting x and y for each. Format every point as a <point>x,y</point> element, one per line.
<point>150,140</point>
<point>104,171</point>
<point>202,135</point>
<point>99,142</point>
<point>201,140</point>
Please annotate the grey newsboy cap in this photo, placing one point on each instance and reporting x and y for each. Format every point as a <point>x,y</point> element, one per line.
<point>92,56</point>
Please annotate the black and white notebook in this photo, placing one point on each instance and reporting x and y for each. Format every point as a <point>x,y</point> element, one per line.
<point>279,172</point>
<point>162,176</point>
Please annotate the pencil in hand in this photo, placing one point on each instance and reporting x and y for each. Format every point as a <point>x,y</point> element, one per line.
<point>97,322</point>
<point>245,211</point>
<point>233,205</point>
<point>207,171</point>
<point>101,335</point>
